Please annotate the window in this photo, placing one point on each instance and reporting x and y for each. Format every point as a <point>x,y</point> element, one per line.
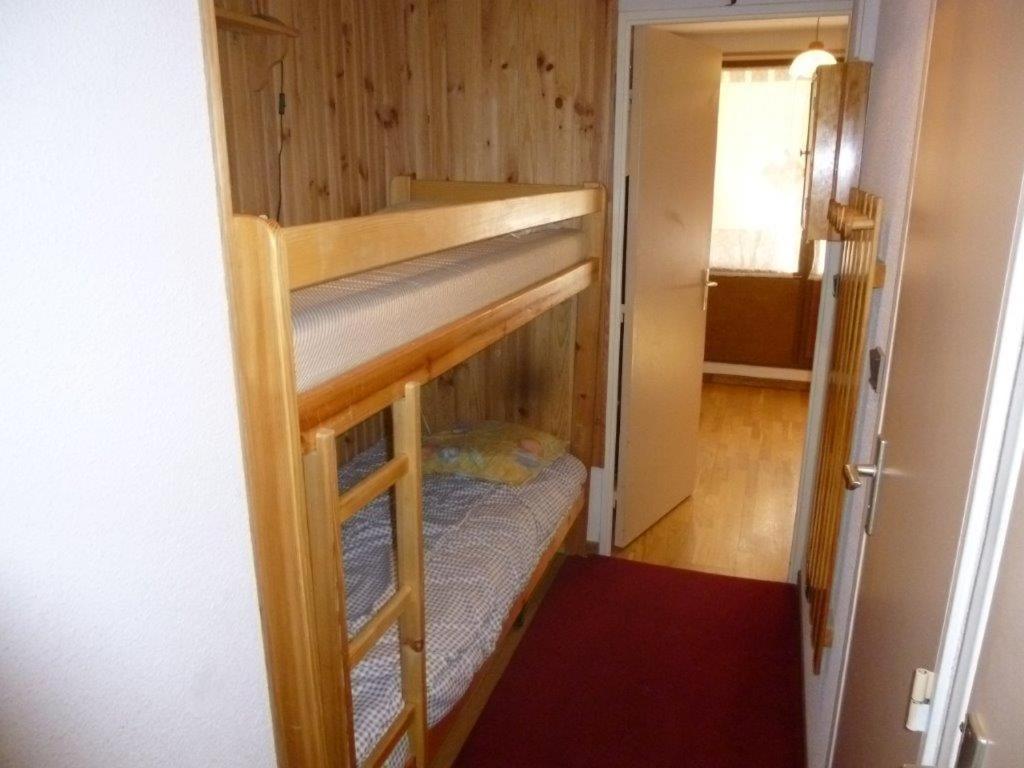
<point>759,171</point>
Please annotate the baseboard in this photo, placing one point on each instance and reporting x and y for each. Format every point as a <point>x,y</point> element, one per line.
<point>757,375</point>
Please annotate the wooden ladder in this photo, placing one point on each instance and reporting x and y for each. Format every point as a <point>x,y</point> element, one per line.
<point>328,509</point>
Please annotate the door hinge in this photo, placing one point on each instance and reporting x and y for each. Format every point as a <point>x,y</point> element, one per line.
<point>874,367</point>
<point>921,691</point>
<point>622,314</point>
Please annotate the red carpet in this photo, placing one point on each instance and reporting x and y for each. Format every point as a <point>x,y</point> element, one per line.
<point>629,664</point>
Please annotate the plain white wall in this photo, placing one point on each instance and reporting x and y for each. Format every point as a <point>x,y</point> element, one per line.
<point>899,52</point>
<point>129,628</point>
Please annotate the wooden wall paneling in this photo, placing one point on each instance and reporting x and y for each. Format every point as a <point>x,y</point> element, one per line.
<point>768,320</point>
<point>512,90</point>
<point>481,90</point>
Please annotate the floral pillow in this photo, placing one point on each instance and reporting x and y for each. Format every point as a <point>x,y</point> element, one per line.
<point>491,450</point>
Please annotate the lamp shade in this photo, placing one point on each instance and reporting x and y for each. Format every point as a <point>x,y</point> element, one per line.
<point>804,65</point>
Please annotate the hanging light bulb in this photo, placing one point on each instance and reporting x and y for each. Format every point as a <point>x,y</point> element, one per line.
<point>804,65</point>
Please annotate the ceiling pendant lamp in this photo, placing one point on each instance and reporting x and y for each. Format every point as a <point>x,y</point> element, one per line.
<point>804,65</point>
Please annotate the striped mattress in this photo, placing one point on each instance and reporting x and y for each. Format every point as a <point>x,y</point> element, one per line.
<point>340,324</point>
<point>482,542</point>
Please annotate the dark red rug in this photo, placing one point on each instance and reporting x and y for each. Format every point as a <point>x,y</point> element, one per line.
<point>629,664</point>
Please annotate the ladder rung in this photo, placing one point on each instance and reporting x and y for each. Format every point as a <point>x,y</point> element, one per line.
<point>378,624</point>
<point>390,738</point>
<point>369,488</point>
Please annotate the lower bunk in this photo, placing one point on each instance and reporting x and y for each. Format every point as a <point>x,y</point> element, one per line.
<point>486,546</point>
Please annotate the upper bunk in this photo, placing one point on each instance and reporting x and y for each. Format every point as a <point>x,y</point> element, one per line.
<point>372,302</point>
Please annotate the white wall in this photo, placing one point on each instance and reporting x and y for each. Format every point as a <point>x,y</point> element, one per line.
<point>129,630</point>
<point>899,55</point>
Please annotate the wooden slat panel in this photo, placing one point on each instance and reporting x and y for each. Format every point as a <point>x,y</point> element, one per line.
<point>329,250</point>
<point>859,224</point>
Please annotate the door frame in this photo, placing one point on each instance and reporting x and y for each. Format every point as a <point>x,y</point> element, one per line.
<point>602,481</point>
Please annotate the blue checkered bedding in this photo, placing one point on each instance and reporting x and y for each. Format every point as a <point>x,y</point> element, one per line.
<point>482,542</point>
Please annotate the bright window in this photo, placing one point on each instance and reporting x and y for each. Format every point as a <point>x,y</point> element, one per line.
<point>759,170</point>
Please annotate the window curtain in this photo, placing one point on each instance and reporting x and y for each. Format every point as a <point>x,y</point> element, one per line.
<point>759,170</point>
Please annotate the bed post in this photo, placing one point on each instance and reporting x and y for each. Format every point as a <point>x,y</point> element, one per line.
<point>405,415</point>
<point>321,470</point>
<point>400,190</point>
<point>586,376</point>
<point>261,316</point>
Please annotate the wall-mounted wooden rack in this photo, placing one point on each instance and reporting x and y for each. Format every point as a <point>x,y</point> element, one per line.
<point>245,22</point>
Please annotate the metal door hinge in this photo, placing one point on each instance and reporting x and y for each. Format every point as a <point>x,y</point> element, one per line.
<point>919,710</point>
<point>874,367</point>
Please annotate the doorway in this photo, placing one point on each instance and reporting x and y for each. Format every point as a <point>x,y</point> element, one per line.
<point>761,283</point>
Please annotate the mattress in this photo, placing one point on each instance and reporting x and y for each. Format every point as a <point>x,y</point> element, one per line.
<point>340,324</point>
<point>482,542</point>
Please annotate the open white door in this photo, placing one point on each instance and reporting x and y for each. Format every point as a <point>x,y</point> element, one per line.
<point>672,136</point>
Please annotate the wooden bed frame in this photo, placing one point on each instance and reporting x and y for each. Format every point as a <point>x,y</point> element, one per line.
<point>290,442</point>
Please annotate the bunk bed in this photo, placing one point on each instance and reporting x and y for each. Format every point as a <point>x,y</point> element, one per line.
<point>335,322</point>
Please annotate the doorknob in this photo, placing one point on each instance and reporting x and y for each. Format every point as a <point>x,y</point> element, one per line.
<point>708,285</point>
<point>852,474</point>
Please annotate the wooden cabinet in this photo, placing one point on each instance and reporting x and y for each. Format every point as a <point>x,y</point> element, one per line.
<point>835,136</point>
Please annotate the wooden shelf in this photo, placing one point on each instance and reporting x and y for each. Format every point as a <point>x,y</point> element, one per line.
<point>245,22</point>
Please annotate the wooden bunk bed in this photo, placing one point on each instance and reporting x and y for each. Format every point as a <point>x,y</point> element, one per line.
<point>297,507</point>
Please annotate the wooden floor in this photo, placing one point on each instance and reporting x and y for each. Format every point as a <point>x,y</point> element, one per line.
<point>739,521</point>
